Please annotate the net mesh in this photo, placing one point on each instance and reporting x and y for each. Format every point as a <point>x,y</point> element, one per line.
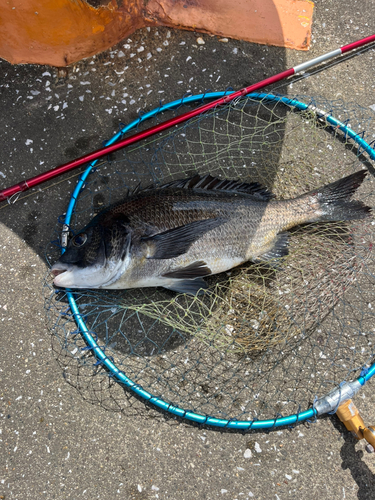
<point>264,342</point>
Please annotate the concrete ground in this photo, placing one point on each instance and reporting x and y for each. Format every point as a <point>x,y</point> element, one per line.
<point>54,443</point>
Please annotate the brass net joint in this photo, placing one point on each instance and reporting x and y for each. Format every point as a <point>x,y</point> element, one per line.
<point>349,415</point>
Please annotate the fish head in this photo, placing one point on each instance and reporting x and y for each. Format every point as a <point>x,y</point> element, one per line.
<point>95,257</point>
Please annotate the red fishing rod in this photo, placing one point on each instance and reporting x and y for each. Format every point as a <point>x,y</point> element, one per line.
<point>66,167</point>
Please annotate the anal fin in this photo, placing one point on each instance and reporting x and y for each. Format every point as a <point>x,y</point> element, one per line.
<point>277,251</point>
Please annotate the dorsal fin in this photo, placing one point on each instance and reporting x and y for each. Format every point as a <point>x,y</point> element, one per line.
<point>208,182</point>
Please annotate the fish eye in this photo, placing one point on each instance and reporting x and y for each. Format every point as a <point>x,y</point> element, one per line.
<point>79,240</point>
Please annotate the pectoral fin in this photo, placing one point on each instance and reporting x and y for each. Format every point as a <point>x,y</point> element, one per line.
<point>177,241</point>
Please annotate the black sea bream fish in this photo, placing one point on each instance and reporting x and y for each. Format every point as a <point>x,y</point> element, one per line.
<point>175,234</point>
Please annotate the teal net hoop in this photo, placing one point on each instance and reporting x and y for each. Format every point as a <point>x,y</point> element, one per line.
<point>89,336</point>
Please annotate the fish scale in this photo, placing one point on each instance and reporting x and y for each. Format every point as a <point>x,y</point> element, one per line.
<point>175,234</point>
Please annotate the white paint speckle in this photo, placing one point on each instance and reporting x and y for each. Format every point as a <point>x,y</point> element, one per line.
<point>247,453</point>
<point>257,448</point>
<point>28,142</point>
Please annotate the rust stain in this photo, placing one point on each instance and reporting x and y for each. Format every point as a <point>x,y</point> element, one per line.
<point>61,32</point>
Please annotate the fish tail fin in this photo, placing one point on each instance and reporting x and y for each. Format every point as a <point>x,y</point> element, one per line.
<point>333,201</point>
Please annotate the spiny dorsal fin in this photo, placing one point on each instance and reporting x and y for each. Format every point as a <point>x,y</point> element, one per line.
<point>208,182</point>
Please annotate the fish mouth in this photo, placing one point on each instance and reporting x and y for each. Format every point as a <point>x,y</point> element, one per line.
<point>66,278</point>
<point>56,272</point>
<point>71,276</point>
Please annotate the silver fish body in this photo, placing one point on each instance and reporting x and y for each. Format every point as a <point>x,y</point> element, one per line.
<point>175,234</point>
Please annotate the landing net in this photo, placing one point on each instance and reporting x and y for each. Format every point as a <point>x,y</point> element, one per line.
<point>264,343</point>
